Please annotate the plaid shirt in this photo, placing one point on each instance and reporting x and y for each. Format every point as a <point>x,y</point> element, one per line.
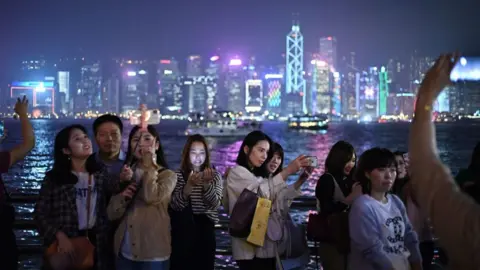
<point>56,210</point>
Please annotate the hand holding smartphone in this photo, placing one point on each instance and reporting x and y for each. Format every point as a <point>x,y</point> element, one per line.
<point>313,161</point>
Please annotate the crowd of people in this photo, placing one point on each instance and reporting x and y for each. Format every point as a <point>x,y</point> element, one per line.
<point>129,211</point>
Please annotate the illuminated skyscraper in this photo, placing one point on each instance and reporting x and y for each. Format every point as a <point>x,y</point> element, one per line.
<point>274,84</point>
<point>253,95</point>
<point>328,50</point>
<point>89,93</point>
<point>295,83</point>
<point>196,91</point>
<point>171,95</point>
<point>382,92</point>
<point>321,96</point>
<point>212,77</point>
<point>235,85</point>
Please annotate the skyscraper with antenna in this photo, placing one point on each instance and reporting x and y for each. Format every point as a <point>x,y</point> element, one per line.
<point>295,83</point>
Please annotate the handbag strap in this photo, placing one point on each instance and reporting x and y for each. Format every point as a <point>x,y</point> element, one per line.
<point>89,199</point>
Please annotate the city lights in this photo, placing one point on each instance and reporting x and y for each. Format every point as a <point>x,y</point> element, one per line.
<point>235,62</point>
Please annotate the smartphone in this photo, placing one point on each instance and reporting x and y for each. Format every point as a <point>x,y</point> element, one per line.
<point>313,161</point>
<point>153,117</point>
<point>467,69</point>
<point>2,128</point>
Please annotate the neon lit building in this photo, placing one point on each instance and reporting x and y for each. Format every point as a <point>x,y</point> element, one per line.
<point>196,91</point>
<point>89,92</point>
<point>321,97</point>
<point>295,83</point>
<point>336,95</point>
<point>328,50</point>
<point>235,85</point>
<point>368,93</point>
<point>171,96</point>
<point>383,91</point>
<point>274,83</point>
<point>134,88</point>
<point>253,95</point>
<point>213,73</point>
<point>41,94</point>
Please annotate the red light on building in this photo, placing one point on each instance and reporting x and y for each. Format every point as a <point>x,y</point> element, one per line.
<point>165,62</point>
<point>329,38</point>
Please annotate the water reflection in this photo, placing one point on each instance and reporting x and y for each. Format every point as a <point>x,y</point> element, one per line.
<point>455,144</point>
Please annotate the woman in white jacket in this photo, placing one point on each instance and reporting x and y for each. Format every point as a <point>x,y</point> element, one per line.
<point>251,173</point>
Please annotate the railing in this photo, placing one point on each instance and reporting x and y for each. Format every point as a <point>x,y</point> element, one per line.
<point>36,248</point>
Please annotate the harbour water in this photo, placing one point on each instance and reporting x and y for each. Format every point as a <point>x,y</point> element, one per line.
<point>455,142</point>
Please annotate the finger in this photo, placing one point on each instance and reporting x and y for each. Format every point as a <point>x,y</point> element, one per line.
<point>24,99</point>
<point>128,194</point>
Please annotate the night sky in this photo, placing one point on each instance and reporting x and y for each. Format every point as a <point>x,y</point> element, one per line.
<point>375,29</point>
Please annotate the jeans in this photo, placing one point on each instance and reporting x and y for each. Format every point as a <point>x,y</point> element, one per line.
<point>123,263</point>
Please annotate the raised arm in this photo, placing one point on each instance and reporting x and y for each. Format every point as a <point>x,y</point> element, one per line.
<point>179,201</point>
<point>212,192</point>
<point>28,142</point>
<point>42,212</point>
<point>158,187</point>
<point>454,216</point>
<point>365,235</point>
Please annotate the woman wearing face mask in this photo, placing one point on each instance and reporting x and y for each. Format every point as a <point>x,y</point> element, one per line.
<point>73,198</point>
<point>142,240</point>
<point>195,203</point>
<point>335,192</point>
<point>249,173</point>
<point>380,231</point>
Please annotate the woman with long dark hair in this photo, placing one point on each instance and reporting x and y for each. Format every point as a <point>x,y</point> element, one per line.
<point>380,230</point>
<point>281,208</point>
<point>73,198</point>
<point>195,202</point>
<point>335,192</point>
<point>142,240</point>
<point>249,173</point>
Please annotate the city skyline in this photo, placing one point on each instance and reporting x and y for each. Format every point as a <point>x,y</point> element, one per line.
<point>375,30</point>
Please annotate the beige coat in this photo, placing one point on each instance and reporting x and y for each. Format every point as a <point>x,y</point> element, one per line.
<point>455,216</point>
<point>148,221</point>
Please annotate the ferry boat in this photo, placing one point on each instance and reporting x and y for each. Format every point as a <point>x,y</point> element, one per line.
<point>219,125</point>
<point>310,122</point>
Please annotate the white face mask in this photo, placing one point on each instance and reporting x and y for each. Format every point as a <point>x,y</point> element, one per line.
<point>197,155</point>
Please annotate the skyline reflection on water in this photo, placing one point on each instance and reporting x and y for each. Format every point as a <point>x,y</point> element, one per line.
<point>455,143</point>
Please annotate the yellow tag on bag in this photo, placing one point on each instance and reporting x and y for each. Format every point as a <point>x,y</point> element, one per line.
<point>260,222</point>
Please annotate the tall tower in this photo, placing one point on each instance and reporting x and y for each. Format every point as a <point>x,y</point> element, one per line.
<point>295,83</point>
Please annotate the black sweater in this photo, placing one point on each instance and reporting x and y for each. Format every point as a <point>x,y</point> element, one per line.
<point>325,189</point>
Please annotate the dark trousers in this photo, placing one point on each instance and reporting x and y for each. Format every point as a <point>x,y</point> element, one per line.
<point>193,247</point>
<point>8,249</point>
<point>257,264</point>
<point>427,250</point>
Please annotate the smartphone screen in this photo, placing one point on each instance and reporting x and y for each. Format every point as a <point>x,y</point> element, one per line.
<point>313,161</point>
<point>467,69</point>
<point>2,128</point>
